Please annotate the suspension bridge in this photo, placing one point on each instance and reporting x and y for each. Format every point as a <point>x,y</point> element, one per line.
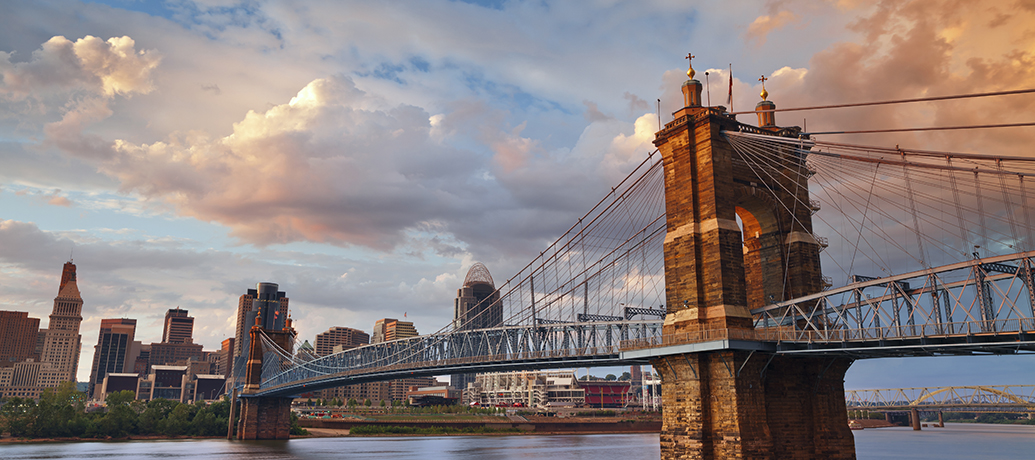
<point>595,297</point>
<point>705,261</point>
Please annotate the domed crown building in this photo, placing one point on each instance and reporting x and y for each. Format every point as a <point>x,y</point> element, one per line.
<point>477,303</point>
<point>477,306</point>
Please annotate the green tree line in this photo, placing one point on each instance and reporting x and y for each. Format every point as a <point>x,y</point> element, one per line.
<point>61,413</point>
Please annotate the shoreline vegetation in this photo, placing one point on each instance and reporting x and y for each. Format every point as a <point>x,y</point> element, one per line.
<point>61,414</point>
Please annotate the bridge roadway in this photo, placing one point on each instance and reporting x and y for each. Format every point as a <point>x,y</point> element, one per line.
<point>981,306</point>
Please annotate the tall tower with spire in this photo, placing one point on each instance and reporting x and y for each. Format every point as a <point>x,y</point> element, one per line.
<point>62,342</point>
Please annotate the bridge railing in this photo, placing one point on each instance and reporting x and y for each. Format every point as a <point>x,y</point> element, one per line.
<point>1009,327</point>
<point>526,344</point>
<point>994,295</point>
<point>699,336</point>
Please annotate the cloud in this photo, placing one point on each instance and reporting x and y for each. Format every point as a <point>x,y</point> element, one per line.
<point>342,166</point>
<point>56,199</point>
<point>77,79</point>
<point>915,49</point>
<point>141,276</point>
<point>91,64</point>
<point>763,25</point>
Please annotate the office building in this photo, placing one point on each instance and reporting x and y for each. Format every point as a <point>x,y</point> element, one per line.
<point>62,343</point>
<point>347,337</point>
<point>167,354</point>
<point>18,334</point>
<point>476,306</point>
<point>179,328</point>
<point>55,351</point>
<point>113,352</point>
<point>388,329</point>
<point>265,301</point>
<point>27,379</point>
<point>226,358</point>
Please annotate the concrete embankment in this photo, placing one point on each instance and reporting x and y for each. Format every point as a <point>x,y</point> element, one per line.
<point>534,425</point>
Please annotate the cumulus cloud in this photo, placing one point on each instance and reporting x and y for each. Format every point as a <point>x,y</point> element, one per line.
<point>915,49</point>
<point>77,79</point>
<point>342,166</point>
<point>91,64</point>
<point>333,165</point>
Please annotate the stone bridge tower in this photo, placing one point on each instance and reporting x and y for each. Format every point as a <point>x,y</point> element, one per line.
<point>738,403</point>
<point>263,418</point>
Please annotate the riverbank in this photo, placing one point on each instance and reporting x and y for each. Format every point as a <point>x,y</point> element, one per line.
<point>873,423</point>
<point>486,426</point>
<point>12,440</point>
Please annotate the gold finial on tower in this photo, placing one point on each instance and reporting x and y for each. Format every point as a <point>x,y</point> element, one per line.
<point>690,73</point>
<point>764,93</point>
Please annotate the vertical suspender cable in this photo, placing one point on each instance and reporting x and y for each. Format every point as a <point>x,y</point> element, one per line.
<point>981,211</point>
<point>912,209</point>
<point>1027,215</point>
<point>959,206</point>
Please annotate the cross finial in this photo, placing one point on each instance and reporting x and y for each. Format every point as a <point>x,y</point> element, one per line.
<point>765,93</point>
<point>690,73</point>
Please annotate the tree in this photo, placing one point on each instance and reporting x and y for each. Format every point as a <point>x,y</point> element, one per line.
<point>352,402</point>
<point>382,403</point>
<point>17,416</point>
<point>154,413</point>
<point>625,376</point>
<point>366,402</point>
<point>610,377</point>
<point>121,419</point>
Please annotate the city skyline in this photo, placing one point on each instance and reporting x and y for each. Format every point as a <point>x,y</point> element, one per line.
<point>187,150</point>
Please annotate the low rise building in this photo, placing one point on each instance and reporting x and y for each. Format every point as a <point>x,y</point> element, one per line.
<point>526,389</point>
<point>433,396</point>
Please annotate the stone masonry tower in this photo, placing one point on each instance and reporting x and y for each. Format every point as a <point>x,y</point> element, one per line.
<point>62,342</point>
<point>734,403</point>
<point>264,418</point>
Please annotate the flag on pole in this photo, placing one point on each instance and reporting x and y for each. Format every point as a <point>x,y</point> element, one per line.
<point>729,98</point>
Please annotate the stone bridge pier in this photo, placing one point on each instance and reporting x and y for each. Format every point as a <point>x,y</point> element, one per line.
<point>735,241</point>
<point>264,418</point>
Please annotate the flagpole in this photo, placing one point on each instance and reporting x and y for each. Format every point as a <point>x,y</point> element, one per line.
<point>708,83</point>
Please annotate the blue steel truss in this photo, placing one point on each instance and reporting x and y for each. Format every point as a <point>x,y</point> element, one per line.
<point>485,350</point>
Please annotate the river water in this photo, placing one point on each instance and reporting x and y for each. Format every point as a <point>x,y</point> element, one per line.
<point>954,442</point>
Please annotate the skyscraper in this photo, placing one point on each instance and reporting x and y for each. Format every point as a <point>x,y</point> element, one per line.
<point>391,329</point>
<point>62,342</point>
<point>179,328</point>
<point>113,352</point>
<point>477,303</point>
<point>347,337</point>
<point>17,337</point>
<point>226,358</point>
<point>266,302</point>
<point>476,306</point>
<point>264,296</point>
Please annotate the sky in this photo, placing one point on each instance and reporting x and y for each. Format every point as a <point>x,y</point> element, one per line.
<point>364,155</point>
